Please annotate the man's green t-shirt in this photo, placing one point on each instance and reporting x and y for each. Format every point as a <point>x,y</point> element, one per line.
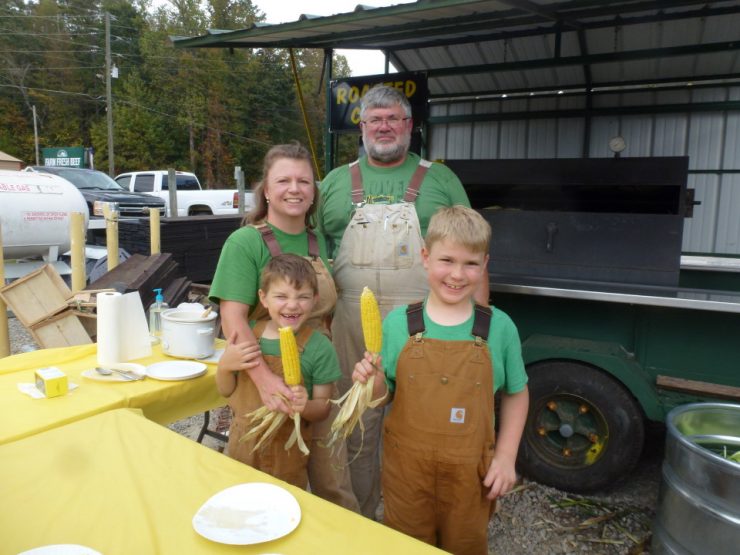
<point>243,257</point>
<point>503,344</point>
<point>319,362</point>
<point>441,187</point>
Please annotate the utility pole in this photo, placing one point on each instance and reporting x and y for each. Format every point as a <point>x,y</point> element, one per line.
<point>35,134</point>
<point>108,96</point>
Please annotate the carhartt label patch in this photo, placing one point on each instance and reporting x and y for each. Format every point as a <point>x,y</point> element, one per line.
<point>457,415</point>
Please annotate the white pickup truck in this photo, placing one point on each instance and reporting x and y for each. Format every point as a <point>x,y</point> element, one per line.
<point>192,199</point>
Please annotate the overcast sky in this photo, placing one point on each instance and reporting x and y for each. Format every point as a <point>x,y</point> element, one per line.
<point>362,62</point>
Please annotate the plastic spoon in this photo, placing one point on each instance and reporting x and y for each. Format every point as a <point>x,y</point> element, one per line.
<point>109,371</point>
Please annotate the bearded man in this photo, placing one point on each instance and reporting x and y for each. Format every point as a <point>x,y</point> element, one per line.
<point>374,213</point>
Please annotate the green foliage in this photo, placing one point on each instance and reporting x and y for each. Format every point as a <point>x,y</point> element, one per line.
<point>204,110</point>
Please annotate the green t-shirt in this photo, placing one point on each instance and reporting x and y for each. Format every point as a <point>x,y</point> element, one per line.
<point>243,257</point>
<point>319,362</point>
<point>503,344</point>
<point>441,187</point>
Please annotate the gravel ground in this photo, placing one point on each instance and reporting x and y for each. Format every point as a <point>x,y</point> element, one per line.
<point>533,519</point>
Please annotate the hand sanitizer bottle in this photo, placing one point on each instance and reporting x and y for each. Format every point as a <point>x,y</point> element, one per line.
<point>155,315</point>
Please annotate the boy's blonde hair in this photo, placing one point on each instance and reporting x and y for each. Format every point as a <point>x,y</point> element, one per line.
<point>294,269</point>
<point>459,224</point>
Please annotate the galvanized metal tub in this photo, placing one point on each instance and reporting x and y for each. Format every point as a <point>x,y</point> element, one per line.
<point>699,502</point>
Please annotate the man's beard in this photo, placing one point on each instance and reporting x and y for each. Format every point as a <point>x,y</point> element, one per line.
<point>388,153</point>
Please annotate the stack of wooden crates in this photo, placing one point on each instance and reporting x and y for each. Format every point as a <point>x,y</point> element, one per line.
<point>41,302</point>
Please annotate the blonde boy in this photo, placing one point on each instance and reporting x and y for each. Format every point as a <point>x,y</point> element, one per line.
<point>442,360</point>
<point>288,290</point>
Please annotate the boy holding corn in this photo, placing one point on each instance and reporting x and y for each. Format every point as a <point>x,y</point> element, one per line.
<point>288,291</point>
<point>442,360</point>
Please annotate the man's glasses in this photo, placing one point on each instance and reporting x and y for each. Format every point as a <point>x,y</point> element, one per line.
<point>393,121</point>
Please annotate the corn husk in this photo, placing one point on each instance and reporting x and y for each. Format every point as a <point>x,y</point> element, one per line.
<point>267,423</point>
<point>353,405</point>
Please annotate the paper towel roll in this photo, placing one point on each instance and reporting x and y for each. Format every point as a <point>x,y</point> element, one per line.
<point>123,333</point>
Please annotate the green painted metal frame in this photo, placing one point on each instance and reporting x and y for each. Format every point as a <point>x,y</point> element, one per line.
<point>633,343</point>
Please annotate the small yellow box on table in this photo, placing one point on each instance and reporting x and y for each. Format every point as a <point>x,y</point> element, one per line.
<point>51,381</point>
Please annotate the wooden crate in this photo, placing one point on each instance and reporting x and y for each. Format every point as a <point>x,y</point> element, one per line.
<point>61,330</point>
<point>37,296</point>
<point>89,322</point>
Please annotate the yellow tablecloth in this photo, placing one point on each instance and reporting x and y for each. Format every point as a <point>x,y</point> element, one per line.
<point>161,401</point>
<point>120,484</point>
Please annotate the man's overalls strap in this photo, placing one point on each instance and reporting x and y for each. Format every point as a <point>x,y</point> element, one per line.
<point>412,191</point>
<point>268,236</point>
<point>481,321</point>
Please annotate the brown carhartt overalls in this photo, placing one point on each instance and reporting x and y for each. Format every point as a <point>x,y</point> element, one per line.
<point>273,458</point>
<point>439,438</point>
<point>328,472</point>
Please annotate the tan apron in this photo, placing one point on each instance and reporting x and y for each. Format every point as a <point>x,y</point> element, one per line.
<point>272,458</point>
<point>328,472</point>
<point>327,292</point>
<point>438,439</point>
<point>380,249</point>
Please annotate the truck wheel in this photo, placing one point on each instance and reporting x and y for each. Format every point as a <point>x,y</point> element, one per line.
<point>584,429</point>
<point>200,211</point>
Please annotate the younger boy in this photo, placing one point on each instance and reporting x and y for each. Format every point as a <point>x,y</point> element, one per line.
<point>288,291</point>
<point>442,360</point>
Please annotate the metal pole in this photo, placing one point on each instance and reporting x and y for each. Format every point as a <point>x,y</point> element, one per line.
<point>4,334</point>
<point>328,144</point>
<point>239,174</point>
<point>109,97</point>
<point>172,190</point>
<point>77,248</point>
<point>35,134</point>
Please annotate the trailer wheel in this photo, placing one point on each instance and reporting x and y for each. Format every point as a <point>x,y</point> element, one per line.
<point>584,429</point>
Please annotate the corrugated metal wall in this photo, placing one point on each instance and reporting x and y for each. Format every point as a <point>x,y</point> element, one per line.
<point>711,140</point>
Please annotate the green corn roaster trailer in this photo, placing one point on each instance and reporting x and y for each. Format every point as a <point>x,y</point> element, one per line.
<point>617,325</point>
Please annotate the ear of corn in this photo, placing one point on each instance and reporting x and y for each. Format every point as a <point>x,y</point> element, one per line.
<point>359,397</point>
<point>372,328</point>
<point>267,421</point>
<point>289,356</point>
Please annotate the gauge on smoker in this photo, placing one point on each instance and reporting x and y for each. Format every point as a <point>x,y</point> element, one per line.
<point>617,144</point>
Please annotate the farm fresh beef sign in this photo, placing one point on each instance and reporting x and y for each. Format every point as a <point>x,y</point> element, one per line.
<point>65,157</point>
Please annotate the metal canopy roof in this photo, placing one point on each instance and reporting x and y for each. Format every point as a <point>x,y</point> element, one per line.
<point>486,47</point>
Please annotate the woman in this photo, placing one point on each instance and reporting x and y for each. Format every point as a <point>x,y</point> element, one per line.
<point>284,199</point>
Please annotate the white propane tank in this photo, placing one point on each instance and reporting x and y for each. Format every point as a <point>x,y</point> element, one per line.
<point>35,213</point>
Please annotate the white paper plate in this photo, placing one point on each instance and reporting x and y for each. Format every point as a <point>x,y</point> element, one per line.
<point>131,367</point>
<point>61,549</point>
<point>176,370</point>
<point>248,513</point>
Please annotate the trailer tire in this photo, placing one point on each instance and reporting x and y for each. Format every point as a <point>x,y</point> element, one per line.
<point>584,429</point>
